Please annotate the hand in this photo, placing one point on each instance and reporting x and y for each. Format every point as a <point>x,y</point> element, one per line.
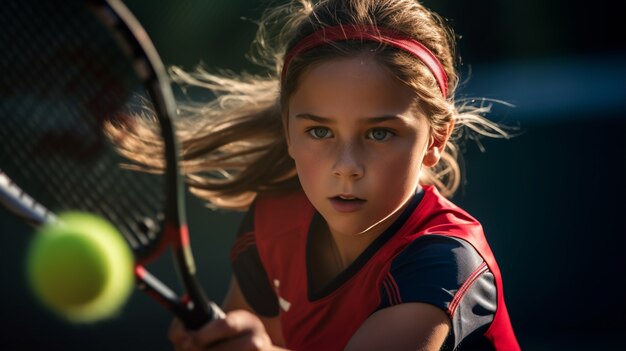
<point>239,330</point>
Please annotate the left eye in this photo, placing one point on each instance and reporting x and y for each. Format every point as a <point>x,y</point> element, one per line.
<point>320,133</point>
<point>379,134</point>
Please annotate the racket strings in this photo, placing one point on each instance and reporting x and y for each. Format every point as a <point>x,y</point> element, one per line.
<point>66,77</point>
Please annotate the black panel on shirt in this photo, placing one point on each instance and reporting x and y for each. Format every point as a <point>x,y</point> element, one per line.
<point>251,275</point>
<point>254,283</point>
<point>431,270</point>
<point>474,315</point>
<point>247,223</point>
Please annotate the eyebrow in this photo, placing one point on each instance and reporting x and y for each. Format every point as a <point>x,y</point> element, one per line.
<point>370,120</point>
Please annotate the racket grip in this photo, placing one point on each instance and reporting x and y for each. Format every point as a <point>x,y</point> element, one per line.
<point>215,311</point>
<point>196,318</point>
<point>193,317</point>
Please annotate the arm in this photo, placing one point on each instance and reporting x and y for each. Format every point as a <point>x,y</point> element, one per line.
<point>234,300</point>
<point>435,301</point>
<point>408,326</point>
<point>241,329</point>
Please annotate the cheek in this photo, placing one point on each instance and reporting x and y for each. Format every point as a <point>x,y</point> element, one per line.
<point>400,168</point>
<point>304,164</point>
<point>310,174</point>
<point>306,159</point>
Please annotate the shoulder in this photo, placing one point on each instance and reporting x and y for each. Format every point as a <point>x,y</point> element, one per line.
<point>285,211</point>
<point>432,269</point>
<point>432,250</point>
<point>288,201</point>
<point>448,273</point>
<point>437,207</point>
<point>437,215</point>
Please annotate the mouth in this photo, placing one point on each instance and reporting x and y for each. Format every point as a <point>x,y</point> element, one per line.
<point>347,203</point>
<point>343,197</point>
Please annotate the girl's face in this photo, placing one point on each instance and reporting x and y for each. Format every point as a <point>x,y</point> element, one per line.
<point>358,143</point>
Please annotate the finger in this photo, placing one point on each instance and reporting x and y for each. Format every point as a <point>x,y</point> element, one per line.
<point>248,341</point>
<point>179,336</point>
<point>235,323</point>
<point>176,331</point>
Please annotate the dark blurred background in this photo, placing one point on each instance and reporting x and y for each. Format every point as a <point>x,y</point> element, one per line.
<point>551,199</point>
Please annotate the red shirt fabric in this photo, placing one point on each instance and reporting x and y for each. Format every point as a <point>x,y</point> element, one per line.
<point>327,322</point>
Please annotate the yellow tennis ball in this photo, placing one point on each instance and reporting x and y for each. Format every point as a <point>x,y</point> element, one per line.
<point>80,267</point>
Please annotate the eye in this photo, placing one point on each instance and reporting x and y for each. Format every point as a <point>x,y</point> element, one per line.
<point>379,134</point>
<point>320,133</point>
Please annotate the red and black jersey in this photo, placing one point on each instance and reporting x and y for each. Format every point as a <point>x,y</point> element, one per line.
<point>433,253</point>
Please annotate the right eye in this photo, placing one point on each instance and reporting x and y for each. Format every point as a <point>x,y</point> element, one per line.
<point>320,133</point>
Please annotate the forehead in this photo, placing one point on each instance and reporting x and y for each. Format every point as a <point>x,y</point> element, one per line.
<point>356,86</point>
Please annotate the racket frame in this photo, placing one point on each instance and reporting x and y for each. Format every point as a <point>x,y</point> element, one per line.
<point>194,309</point>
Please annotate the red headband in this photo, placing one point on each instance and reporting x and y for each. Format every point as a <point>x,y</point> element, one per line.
<point>371,33</point>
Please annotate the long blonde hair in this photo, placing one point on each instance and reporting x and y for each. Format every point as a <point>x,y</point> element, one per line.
<point>234,147</point>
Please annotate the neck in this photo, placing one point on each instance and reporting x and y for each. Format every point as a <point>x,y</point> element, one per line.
<point>333,251</point>
<point>348,246</point>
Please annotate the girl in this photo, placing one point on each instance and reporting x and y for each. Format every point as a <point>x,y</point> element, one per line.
<point>343,158</point>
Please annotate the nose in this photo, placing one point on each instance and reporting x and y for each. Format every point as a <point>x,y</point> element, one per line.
<point>349,164</point>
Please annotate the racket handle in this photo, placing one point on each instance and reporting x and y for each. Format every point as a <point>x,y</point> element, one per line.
<point>201,309</point>
<point>215,311</point>
<point>193,317</point>
<point>196,318</point>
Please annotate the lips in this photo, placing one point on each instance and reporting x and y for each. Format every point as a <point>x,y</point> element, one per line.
<point>347,203</point>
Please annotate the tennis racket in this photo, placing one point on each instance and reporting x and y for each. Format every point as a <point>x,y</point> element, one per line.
<point>70,71</point>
